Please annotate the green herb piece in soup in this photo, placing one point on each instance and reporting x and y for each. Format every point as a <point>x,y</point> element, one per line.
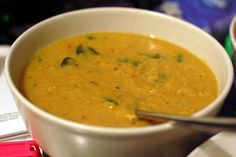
<point>80,49</point>
<point>67,61</point>
<point>93,51</point>
<point>90,37</point>
<point>111,100</point>
<point>131,62</point>
<point>134,63</point>
<point>162,78</point>
<point>179,58</point>
<point>156,56</point>
<point>124,60</point>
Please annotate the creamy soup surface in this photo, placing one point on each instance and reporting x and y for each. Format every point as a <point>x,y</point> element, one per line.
<point>101,78</point>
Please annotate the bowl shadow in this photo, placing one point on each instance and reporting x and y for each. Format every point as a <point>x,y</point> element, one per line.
<point>2,60</point>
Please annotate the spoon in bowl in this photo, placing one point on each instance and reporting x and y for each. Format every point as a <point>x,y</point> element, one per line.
<point>206,124</point>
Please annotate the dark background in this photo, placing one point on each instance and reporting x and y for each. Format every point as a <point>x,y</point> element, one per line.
<point>18,15</point>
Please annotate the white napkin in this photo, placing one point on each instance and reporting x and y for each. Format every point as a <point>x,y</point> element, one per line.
<point>11,123</point>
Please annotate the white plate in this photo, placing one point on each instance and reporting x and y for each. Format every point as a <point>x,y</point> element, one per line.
<point>220,145</point>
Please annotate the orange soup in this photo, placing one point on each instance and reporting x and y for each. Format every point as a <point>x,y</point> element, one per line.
<point>101,78</point>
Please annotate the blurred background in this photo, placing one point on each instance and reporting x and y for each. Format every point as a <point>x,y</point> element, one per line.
<point>213,16</point>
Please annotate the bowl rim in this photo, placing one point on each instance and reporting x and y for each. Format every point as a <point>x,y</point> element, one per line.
<point>111,131</point>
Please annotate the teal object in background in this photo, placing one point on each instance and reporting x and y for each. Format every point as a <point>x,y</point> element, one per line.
<point>228,46</point>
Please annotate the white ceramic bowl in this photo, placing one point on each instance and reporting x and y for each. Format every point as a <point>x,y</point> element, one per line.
<point>62,138</point>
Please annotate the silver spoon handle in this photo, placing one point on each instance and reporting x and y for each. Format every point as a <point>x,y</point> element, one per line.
<point>209,124</point>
